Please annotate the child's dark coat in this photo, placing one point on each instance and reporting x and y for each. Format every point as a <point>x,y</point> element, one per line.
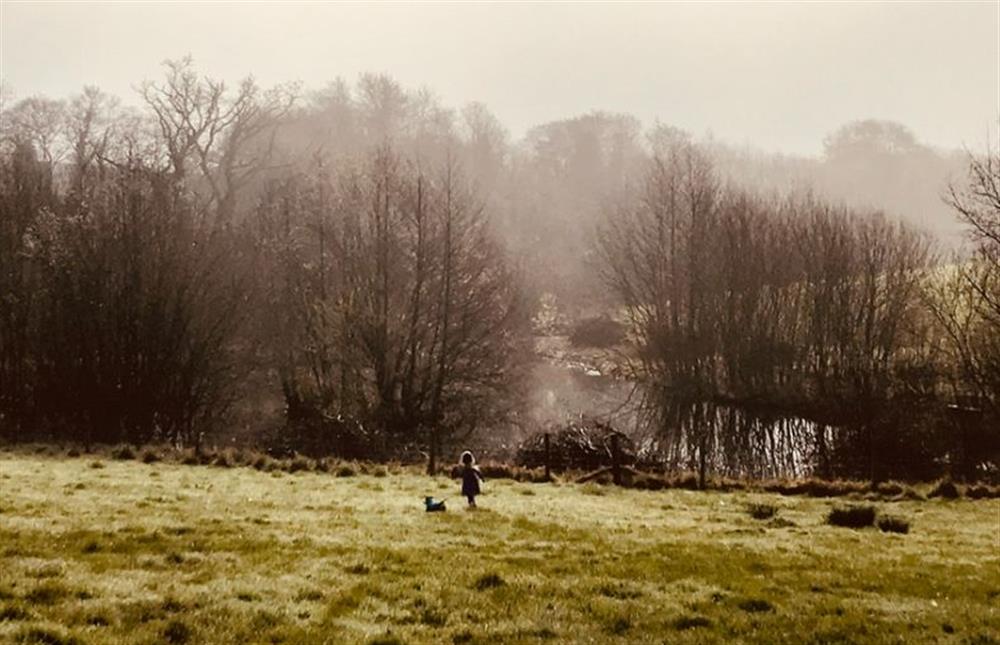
<point>470,481</point>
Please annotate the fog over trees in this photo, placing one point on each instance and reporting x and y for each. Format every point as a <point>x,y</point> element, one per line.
<point>361,270</point>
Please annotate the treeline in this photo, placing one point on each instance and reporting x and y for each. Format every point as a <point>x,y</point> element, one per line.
<point>154,264</point>
<point>355,270</point>
<point>387,302</point>
<point>743,308</point>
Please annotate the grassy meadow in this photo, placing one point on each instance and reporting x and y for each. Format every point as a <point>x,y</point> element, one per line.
<point>105,551</point>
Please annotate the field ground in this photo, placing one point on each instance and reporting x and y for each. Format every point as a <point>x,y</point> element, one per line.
<point>126,552</point>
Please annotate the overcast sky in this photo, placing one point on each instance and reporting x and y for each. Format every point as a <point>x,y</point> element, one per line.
<point>779,75</point>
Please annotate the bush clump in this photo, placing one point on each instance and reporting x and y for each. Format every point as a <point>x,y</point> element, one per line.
<point>299,464</point>
<point>691,622</point>
<point>489,581</point>
<point>889,489</point>
<point>982,492</point>
<point>48,593</point>
<point>891,524</point>
<point>814,487</point>
<point>755,605</point>
<point>150,457</point>
<point>580,445</point>
<point>177,632</point>
<point>945,489</point>
<point>853,517</point>
<point>762,511</point>
<point>123,452</point>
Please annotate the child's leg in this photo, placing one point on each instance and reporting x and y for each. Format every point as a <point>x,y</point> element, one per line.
<point>472,500</point>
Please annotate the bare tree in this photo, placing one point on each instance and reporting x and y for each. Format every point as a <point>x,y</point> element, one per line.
<point>966,300</point>
<point>408,316</point>
<point>228,137</point>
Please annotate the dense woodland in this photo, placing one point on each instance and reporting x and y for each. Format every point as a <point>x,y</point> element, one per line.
<point>358,271</point>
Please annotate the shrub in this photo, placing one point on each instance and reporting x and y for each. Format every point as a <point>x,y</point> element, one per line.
<point>123,452</point>
<point>97,464</point>
<point>489,581</point>
<point>754,605</point>
<point>691,622</point>
<point>48,593</point>
<point>345,470</point>
<point>912,494</point>
<point>620,625</point>
<point>982,492</point>
<point>221,460</point>
<point>177,632</point>
<point>890,524</point>
<point>299,464</point>
<point>73,452</point>
<point>945,489</point>
<point>813,487</point>
<point>580,445</point>
<point>309,595</point>
<point>433,618</point>
<point>889,489</point>
<point>854,517</point>
<point>761,511</point>
<point>150,457</point>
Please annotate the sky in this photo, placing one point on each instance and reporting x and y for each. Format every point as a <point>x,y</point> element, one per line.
<point>779,76</point>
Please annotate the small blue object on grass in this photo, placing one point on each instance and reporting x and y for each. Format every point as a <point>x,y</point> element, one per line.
<point>433,506</point>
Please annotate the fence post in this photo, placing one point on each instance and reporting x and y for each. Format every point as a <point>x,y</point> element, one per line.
<point>548,461</point>
<point>616,472</point>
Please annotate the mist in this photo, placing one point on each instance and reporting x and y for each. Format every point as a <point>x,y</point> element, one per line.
<point>779,76</point>
<point>691,309</point>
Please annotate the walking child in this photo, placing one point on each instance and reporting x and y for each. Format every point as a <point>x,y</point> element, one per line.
<point>471,478</point>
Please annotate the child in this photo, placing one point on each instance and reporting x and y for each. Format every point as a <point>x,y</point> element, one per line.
<point>471,478</point>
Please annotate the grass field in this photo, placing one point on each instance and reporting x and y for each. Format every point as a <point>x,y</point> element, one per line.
<point>125,552</point>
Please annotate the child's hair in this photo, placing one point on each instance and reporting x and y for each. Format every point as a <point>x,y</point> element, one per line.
<point>467,458</point>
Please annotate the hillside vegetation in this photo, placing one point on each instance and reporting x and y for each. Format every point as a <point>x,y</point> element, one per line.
<point>103,551</point>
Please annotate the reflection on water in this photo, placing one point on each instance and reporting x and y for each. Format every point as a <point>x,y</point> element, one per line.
<point>739,444</point>
<point>568,386</point>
